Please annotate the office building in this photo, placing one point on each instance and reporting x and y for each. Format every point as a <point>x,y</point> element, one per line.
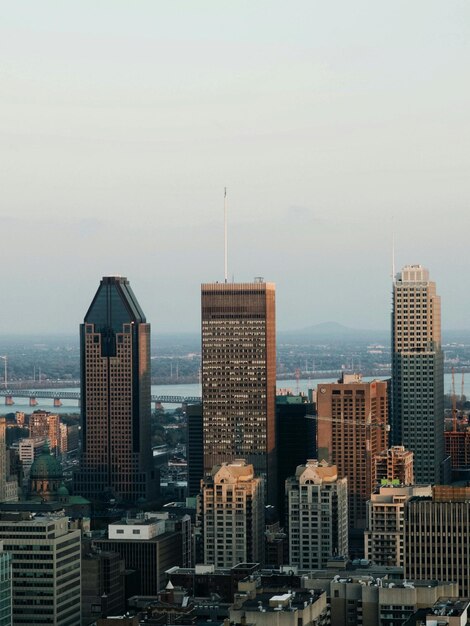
<point>45,425</point>
<point>202,580</point>
<point>28,450</point>
<point>45,557</point>
<point>417,420</point>
<point>352,430</point>
<point>146,546</point>
<point>3,459</point>
<point>233,515</point>
<point>8,484</point>
<point>367,601</point>
<point>239,377</point>
<point>5,588</point>
<point>195,448</point>
<point>394,465</point>
<point>457,447</point>
<point>102,584</point>
<point>287,607</point>
<point>384,536</point>
<point>295,439</point>
<point>116,461</point>
<point>437,537</point>
<point>317,515</point>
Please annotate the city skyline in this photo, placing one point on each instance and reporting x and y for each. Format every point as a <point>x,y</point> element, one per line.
<point>330,128</point>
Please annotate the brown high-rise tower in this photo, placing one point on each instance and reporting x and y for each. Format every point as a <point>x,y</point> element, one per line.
<point>116,461</point>
<point>239,376</point>
<point>352,430</point>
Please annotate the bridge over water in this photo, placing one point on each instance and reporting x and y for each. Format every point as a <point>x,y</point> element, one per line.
<point>57,395</point>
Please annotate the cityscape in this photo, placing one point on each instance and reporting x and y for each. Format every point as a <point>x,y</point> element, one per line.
<point>234,330</point>
<point>350,497</point>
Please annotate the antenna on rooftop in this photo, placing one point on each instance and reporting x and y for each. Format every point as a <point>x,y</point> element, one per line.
<point>393,252</point>
<point>225,236</point>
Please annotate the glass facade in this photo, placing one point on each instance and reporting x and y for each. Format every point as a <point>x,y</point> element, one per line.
<point>418,373</point>
<point>116,458</point>
<point>5,588</point>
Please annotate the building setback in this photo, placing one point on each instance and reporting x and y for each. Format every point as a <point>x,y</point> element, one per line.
<point>116,461</point>
<point>417,419</point>
<point>239,376</point>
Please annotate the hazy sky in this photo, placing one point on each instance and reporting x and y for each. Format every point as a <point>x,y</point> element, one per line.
<point>121,122</point>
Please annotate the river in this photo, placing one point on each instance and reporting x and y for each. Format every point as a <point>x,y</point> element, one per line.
<point>194,389</point>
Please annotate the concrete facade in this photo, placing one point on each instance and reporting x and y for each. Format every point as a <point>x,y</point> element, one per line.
<point>233,515</point>
<point>45,557</point>
<point>394,465</point>
<point>384,536</point>
<point>437,537</point>
<point>317,515</point>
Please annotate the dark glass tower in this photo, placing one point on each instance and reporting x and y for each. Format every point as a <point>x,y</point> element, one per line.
<point>116,461</point>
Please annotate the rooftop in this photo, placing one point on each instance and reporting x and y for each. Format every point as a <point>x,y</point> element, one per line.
<point>290,601</point>
<point>449,607</point>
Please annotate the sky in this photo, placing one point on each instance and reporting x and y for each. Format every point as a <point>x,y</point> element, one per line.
<point>335,126</point>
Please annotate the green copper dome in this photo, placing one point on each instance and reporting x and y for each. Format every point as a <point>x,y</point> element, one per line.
<point>63,491</point>
<point>46,466</point>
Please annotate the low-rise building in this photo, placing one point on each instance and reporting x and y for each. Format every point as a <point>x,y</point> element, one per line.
<point>146,546</point>
<point>289,608</point>
<point>445,612</point>
<point>367,601</point>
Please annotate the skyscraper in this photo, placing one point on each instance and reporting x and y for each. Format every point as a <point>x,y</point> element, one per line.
<point>116,459</point>
<point>417,420</point>
<point>352,429</point>
<point>239,376</point>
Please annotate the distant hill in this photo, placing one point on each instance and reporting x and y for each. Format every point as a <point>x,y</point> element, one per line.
<point>338,333</point>
<point>334,332</point>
